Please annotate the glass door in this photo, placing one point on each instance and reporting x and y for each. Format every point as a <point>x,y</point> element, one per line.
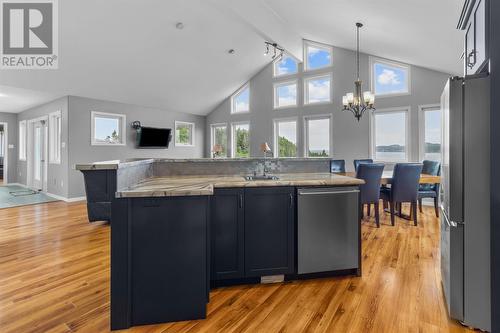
<point>38,154</point>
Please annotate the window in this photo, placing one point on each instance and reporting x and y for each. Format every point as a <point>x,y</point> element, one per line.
<point>286,66</point>
<point>317,136</point>
<point>317,56</point>
<point>240,140</point>
<point>285,138</point>
<point>317,89</point>
<point>240,102</point>
<point>108,129</point>
<point>218,144</point>
<point>389,141</point>
<point>285,94</point>
<point>184,134</point>
<point>55,137</point>
<point>389,78</point>
<point>430,133</point>
<point>22,140</point>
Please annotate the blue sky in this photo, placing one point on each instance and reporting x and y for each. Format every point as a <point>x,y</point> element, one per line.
<point>317,57</point>
<point>241,101</point>
<point>389,79</point>
<point>319,90</point>
<point>287,65</point>
<point>287,95</point>
<point>319,134</point>
<point>105,126</point>
<point>288,129</point>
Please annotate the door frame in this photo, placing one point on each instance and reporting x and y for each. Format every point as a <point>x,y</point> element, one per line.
<point>29,152</point>
<point>6,153</point>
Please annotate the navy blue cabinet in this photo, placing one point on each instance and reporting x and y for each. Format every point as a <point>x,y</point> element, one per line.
<point>227,234</point>
<point>269,231</point>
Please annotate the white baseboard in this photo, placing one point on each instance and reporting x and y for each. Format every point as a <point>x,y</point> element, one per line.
<point>15,184</point>
<point>58,197</point>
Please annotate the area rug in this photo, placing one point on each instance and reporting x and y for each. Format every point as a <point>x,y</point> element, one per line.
<point>15,195</point>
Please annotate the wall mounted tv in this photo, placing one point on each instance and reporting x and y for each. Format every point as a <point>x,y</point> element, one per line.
<point>151,137</point>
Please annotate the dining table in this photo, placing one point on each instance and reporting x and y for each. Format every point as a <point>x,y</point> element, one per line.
<point>387,177</point>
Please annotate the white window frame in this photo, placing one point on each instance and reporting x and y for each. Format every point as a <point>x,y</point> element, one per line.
<point>23,136</point>
<point>275,134</point>
<point>236,94</point>
<point>374,60</point>
<point>306,133</point>
<point>401,109</point>
<point>327,47</point>
<point>233,137</point>
<point>212,137</point>
<point>275,75</point>
<point>123,127</point>
<point>55,138</point>
<point>193,130</point>
<point>317,77</point>
<point>421,127</point>
<point>276,85</point>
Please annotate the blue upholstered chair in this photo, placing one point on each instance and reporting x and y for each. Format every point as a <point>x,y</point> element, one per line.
<point>337,166</point>
<point>370,190</point>
<point>404,188</point>
<point>430,190</point>
<point>358,162</point>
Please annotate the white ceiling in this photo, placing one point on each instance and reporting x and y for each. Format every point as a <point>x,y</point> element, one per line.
<point>130,51</point>
<point>419,32</point>
<point>18,99</point>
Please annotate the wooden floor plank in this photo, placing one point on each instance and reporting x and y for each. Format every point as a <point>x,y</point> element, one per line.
<point>54,277</point>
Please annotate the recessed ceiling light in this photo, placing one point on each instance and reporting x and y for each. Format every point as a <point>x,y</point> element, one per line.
<point>179,25</point>
<point>231,51</point>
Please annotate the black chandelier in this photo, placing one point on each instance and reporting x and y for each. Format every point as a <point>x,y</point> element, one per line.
<point>358,102</point>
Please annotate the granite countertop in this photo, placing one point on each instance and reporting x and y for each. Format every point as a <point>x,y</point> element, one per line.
<point>204,185</point>
<point>113,164</point>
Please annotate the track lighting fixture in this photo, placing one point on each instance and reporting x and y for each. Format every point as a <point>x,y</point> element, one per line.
<point>278,51</point>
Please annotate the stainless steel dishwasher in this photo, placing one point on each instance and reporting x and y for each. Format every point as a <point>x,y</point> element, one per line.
<point>328,234</point>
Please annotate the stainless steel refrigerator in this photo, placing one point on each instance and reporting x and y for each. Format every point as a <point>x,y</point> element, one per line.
<point>465,200</point>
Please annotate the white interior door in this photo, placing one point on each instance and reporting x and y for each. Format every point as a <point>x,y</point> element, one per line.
<point>39,155</point>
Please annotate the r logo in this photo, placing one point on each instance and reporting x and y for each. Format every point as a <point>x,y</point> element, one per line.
<point>27,28</point>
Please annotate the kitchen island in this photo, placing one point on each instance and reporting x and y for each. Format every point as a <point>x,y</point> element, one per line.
<point>179,228</point>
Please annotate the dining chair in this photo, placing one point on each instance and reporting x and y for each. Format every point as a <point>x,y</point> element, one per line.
<point>370,190</point>
<point>337,166</point>
<point>404,188</point>
<point>358,162</point>
<point>430,190</point>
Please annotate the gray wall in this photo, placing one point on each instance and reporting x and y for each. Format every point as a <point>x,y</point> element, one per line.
<point>57,182</point>
<point>80,150</point>
<point>11,120</point>
<point>350,138</point>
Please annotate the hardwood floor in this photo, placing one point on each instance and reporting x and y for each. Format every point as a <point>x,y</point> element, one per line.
<point>54,277</point>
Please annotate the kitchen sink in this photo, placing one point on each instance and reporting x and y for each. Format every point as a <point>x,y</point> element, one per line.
<point>261,177</point>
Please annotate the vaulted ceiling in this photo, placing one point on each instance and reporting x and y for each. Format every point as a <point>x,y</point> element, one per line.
<point>131,51</point>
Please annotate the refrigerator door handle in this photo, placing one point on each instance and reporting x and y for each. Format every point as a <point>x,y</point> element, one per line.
<point>448,222</point>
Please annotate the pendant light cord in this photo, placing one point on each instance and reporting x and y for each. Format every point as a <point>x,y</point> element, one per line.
<point>357,48</point>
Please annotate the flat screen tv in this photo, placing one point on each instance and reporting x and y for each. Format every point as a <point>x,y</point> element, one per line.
<point>150,137</point>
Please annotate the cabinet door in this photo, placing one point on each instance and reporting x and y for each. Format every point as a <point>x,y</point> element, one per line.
<point>227,234</point>
<point>269,231</point>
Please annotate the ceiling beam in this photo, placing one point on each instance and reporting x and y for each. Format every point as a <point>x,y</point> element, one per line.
<point>265,22</point>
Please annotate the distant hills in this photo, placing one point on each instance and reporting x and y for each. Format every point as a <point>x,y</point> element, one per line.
<point>429,148</point>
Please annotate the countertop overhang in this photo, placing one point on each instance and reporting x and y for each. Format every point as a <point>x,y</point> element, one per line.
<point>205,185</point>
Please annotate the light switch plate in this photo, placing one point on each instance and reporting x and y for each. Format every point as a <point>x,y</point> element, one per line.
<point>11,146</point>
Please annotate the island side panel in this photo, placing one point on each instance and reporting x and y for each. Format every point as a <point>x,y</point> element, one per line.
<point>168,259</point>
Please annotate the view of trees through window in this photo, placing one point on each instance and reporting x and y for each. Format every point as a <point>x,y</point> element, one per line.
<point>286,138</point>
<point>241,140</point>
<point>184,134</point>
<point>318,137</point>
<point>106,130</point>
<point>219,141</point>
